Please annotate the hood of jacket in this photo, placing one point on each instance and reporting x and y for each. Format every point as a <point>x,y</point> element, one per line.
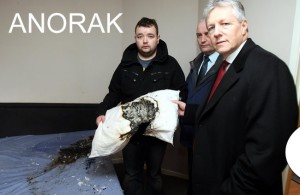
<point>130,53</point>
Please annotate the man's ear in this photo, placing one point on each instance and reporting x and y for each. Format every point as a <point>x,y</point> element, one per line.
<point>158,38</point>
<point>244,27</point>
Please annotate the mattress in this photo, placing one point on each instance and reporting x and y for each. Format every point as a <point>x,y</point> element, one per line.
<point>41,164</point>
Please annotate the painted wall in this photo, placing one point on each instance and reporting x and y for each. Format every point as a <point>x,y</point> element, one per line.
<point>77,67</point>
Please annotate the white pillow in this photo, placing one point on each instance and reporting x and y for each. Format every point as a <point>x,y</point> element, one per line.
<point>166,119</point>
<point>121,122</point>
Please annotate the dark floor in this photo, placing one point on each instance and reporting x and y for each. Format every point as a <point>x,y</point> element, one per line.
<point>172,185</point>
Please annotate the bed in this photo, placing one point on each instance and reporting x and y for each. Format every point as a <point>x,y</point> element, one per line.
<point>34,164</point>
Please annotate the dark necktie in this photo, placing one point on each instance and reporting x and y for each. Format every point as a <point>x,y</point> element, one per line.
<point>203,68</point>
<point>221,73</point>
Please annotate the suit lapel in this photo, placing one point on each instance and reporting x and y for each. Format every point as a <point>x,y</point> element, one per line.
<point>210,74</point>
<point>231,77</point>
<point>194,68</point>
<point>213,70</point>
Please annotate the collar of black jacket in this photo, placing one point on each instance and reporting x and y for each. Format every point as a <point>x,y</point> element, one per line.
<point>130,53</point>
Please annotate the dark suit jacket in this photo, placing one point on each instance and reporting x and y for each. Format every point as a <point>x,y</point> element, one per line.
<point>197,93</point>
<point>239,145</point>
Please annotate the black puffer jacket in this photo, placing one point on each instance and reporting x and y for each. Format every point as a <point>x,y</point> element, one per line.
<point>129,81</point>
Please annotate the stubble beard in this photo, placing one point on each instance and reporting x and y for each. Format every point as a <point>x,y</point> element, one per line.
<point>147,54</point>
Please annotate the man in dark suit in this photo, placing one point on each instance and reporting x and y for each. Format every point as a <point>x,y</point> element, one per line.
<point>242,130</point>
<point>200,79</point>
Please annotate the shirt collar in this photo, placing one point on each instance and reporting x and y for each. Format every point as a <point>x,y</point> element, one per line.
<point>232,56</point>
<point>213,57</point>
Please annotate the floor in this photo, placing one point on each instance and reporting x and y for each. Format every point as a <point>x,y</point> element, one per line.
<point>294,187</point>
<point>178,186</point>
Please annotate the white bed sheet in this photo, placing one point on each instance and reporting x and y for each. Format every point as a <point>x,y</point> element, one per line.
<point>23,157</point>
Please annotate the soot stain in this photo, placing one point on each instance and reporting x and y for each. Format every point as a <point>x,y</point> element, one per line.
<point>142,111</point>
<point>68,155</point>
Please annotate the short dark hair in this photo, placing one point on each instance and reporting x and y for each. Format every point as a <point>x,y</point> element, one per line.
<point>147,22</point>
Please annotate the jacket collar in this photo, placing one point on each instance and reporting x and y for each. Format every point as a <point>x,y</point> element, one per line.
<point>194,64</point>
<point>130,54</point>
<point>232,74</point>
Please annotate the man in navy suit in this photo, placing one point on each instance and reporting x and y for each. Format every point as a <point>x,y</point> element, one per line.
<point>200,80</point>
<point>243,128</point>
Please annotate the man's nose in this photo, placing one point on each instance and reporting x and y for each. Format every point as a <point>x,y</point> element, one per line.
<point>217,30</point>
<point>145,40</point>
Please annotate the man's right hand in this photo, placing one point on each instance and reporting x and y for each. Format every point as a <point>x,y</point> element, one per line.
<point>99,119</point>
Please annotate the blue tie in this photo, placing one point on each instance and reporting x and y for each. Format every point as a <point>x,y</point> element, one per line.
<point>203,68</point>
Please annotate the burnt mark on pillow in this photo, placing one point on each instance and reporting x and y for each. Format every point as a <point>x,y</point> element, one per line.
<point>138,112</point>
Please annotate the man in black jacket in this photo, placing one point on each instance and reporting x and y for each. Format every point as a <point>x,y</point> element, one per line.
<point>145,67</point>
<point>243,128</point>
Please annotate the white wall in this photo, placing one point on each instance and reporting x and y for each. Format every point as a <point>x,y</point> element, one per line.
<point>77,67</point>
<point>295,49</point>
<point>49,67</point>
<point>271,25</point>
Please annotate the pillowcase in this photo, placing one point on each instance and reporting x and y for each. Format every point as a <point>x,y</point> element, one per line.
<point>122,121</point>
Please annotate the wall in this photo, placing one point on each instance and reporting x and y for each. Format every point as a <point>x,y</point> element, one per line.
<point>271,25</point>
<point>77,67</point>
<point>295,49</point>
<point>63,67</point>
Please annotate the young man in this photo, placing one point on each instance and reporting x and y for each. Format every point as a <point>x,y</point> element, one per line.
<point>145,67</point>
<point>242,131</point>
<point>202,74</point>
